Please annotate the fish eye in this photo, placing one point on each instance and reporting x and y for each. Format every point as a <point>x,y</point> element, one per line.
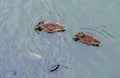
<point>81,33</point>
<point>42,22</point>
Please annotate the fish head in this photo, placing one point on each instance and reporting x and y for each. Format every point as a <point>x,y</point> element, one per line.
<point>63,27</point>
<point>80,35</point>
<point>40,23</point>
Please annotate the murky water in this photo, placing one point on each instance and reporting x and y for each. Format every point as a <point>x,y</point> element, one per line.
<point>26,54</point>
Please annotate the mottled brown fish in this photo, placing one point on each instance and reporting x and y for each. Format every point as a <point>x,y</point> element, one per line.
<point>51,27</point>
<point>87,39</point>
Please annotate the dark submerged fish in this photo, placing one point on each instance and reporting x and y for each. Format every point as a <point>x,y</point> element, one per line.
<point>54,68</point>
<point>51,27</point>
<point>87,39</point>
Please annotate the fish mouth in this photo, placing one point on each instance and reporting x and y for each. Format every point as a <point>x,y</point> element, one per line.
<point>63,27</point>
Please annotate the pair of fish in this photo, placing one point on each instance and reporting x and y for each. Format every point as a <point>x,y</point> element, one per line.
<point>52,27</point>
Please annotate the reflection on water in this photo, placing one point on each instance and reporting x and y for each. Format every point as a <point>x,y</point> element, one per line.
<point>31,54</point>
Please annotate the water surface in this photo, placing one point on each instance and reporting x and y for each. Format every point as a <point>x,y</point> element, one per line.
<point>26,54</point>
